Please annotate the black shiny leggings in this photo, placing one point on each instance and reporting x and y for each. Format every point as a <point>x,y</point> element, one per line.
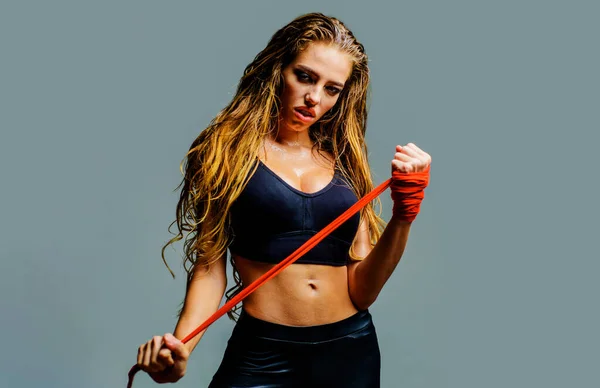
<point>262,354</point>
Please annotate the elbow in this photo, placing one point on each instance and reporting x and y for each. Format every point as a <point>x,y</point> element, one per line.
<point>360,293</point>
<point>362,303</point>
<point>361,298</point>
<point>361,306</point>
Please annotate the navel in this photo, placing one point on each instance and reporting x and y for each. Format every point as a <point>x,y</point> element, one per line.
<point>312,284</point>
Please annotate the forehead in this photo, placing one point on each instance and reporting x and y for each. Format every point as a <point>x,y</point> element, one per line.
<point>326,60</point>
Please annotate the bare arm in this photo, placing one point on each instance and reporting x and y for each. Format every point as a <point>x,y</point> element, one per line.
<point>366,278</point>
<point>203,297</point>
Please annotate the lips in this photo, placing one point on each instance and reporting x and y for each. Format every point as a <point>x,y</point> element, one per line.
<point>309,112</point>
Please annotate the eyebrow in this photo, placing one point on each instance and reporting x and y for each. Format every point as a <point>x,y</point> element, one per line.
<point>314,74</point>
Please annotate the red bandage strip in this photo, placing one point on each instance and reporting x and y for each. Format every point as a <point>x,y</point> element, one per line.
<point>408,193</point>
<point>287,261</point>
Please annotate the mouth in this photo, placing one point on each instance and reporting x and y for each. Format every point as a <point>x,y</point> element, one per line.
<point>305,114</point>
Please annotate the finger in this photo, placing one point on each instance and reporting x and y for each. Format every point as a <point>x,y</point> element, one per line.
<point>147,355</point>
<point>165,357</point>
<point>413,146</point>
<point>402,157</point>
<point>424,156</point>
<point>410,151</point>
<point>179,352</point>
<point>140,355</point>
<point>156,345</point>
<point>176,347</point>
<point>402,166</point>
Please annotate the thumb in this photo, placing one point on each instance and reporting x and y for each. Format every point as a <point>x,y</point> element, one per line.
<point>175,346</point>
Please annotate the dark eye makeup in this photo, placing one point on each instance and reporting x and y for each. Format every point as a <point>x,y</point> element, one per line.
<point>302,76</point>
<point>305,77</point>
<point>333,90</point>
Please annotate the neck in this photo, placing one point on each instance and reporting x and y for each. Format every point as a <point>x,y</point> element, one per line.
<point>292,139</point>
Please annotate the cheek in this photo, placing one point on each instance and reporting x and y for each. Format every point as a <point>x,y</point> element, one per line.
<point>330,103</point>
<point>291,91</point>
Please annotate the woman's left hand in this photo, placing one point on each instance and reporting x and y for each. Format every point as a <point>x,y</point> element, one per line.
<point>410,158</point>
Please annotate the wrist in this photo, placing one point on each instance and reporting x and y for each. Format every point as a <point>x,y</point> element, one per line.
<point>400,220</point>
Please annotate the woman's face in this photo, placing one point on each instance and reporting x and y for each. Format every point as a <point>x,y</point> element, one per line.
<point>312,85</point>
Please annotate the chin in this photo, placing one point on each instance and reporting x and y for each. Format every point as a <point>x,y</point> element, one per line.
<point>295,126</point>
<point>300,128</point>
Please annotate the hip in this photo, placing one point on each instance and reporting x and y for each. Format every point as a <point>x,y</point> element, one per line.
<point>338,354</point>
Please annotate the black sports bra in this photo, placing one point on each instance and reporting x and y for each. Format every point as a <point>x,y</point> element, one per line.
<point>271,219</point>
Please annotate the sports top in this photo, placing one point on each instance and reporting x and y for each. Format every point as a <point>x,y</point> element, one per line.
<point>271,219</point>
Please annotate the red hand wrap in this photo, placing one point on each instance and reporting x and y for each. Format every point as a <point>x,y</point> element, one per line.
<point>407,193</point>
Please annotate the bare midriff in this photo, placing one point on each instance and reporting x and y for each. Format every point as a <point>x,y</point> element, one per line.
<point>301,295</point>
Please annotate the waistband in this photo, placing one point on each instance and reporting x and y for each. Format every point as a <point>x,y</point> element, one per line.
<point>248,325</point>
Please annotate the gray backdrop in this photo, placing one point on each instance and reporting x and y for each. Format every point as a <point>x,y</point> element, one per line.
<point>100,100</point>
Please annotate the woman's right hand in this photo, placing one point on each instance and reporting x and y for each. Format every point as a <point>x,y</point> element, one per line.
<point>163,358</point>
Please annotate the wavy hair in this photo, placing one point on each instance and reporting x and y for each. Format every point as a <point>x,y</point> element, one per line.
<point>216,169</point>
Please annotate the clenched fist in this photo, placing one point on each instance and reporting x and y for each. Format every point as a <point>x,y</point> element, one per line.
<point>410,158</point>
<point>163,358</point>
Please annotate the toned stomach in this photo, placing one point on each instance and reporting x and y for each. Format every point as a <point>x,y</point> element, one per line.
<point>301,295</point>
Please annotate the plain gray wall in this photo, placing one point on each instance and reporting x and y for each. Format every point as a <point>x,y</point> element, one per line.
<point>100,100</point>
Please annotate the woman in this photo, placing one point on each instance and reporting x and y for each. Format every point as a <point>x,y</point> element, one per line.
<point>281,161</point>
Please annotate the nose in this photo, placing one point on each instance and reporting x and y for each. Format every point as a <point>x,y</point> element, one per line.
<point>313,97</point>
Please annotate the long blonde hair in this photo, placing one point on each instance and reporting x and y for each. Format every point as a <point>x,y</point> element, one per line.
<point>216,167</point>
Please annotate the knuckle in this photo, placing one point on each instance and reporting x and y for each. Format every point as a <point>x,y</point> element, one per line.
<point>164,353</point>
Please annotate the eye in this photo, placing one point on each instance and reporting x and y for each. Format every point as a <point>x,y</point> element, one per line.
<point>302,76</point>
<point>333,90</point>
